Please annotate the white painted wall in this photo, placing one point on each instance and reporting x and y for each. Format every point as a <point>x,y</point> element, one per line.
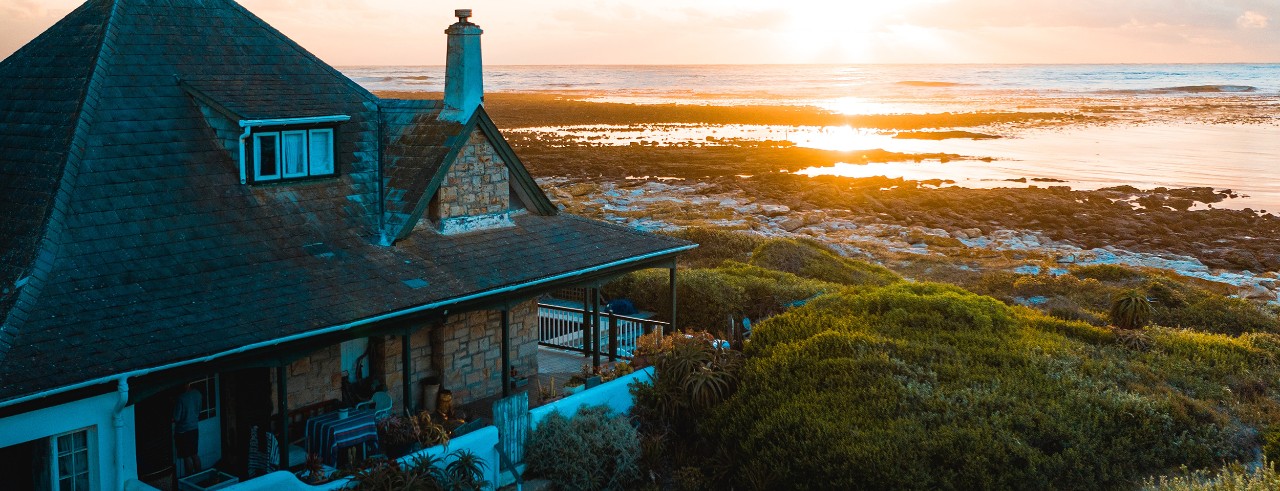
<point>94,413</point>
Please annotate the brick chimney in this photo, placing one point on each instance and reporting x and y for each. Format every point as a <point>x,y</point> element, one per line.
<point>463,82</point>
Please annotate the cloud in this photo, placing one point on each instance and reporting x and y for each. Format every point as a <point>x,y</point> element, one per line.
<point>1252,20</point>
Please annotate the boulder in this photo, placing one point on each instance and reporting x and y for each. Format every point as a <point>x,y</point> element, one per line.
<point>774,210</point>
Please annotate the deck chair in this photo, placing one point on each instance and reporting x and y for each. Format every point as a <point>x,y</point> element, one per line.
<point>511,416</point>
<point>381,404</point>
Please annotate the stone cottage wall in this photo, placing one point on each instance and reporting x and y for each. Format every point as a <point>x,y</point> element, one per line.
<point>471,350</point>
<point>314,378</point>
<point>477,183</point>
<point>419,362</point>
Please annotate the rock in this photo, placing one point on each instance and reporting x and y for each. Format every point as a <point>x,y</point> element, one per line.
<point>774,210</point>
<point>791,223</point>
<point>961,234</point>
<point>973,233</point>
<point>1258,292</point>
<point>1066,259</point>
<point>581,189</point>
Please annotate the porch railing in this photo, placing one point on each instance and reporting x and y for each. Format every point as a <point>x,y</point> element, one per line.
<point>563,327</point>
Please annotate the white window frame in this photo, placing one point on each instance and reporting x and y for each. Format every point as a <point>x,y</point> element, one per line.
<point>333,151</point>
<point>257,157</point>
<point>306,149</point>
<point>90,440</point>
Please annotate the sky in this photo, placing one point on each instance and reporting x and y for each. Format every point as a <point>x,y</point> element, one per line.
<point>518,32</point>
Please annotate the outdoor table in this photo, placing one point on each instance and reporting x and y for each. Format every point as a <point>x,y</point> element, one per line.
<point>328,433</point>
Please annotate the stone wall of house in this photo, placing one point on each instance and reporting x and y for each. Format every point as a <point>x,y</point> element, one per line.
<point>420,366</point>
<point>314,378</point>
<point>469,357</point>
<point>471,353</point>
<point>477,183</point>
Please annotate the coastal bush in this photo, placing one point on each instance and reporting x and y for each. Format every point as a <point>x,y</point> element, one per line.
<point>711,298</point>
<point>1131,310</point>
<point>811,259</point>
<point>928,386</point>
<point>594,449</point>
<point>716,246</point>
<point>1175,302</point>
<point>1234,477</point>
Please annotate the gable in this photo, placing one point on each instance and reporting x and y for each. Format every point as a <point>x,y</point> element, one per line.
<point>476,183</point>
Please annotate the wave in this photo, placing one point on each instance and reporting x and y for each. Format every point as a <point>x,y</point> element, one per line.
<point>929,83</point>
<point>1188,89</point>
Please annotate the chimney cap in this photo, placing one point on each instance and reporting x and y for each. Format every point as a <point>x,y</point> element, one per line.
<point>462,14</point>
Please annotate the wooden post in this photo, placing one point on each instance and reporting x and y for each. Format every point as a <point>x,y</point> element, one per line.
<point>282,408</point>
<point>672,281</point>
<point>506,352</point>
<point>405,371</point>
<point>613,336</point>
<point>595,327</point>
<point>586,322</point>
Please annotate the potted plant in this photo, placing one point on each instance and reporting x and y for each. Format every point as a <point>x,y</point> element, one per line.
<point>314,471</point>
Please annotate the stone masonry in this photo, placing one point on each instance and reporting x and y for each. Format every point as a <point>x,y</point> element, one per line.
<point>471,350</point>
<point>470,359</point>
<point>477,183</point>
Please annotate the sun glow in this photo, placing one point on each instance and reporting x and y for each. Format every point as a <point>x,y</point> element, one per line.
<point>845,31</point>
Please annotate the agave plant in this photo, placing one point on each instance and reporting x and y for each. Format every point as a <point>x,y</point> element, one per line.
<point>1131,310</point>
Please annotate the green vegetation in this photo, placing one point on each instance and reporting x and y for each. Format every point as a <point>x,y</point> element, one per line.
<point>859,380</point>
<point>1131,310</point>
<point>423,473</point>
<point>716,246</point>
<point>811,259</point>
<point>1234,477</point>
<point>712,298</point>
<point>928,386</point>
<point>1085,292</point>
<point>592,450</point>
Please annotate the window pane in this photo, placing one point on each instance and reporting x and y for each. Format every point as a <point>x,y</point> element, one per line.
<point>81,462</point>
<point>80,439</point>
<point>321,152</point>
<point>65,444</point>
<point>293,148</point>
<point>64,484</point>
<point>267,156</point>
<point>82,482</point>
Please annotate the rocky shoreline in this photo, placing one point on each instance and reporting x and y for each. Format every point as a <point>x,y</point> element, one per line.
<point>656,205</point>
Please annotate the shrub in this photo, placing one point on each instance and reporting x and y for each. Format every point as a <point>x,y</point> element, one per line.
<point>716,246</point>
<point>1234,477</point>
<point>712,298</point>
<point>926,386</point>
<point>1131,310</point>
<point>592,450</point>
<point>813,260</point>
<point>423,473</point>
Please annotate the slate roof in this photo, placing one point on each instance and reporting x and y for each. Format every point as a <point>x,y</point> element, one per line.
<point>122,214</point>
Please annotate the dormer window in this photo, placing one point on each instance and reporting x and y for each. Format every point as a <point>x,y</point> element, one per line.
<point>292,154</point>
<point>290,148</point>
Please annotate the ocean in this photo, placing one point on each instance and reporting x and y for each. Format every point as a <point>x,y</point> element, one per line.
<point>1172,125</point>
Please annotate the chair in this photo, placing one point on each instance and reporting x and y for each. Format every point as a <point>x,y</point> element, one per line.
<point>381,403</point>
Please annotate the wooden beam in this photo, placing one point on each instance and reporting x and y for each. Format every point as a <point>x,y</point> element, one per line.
<point>506,352</point>
<point>282,410</point>
<point>595,326</point>
<point>405,373</point>
<point>672,281</point>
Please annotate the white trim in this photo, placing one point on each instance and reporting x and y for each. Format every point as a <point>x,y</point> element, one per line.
<point>306,162</point>
<point>333,151</point>
<point>344,326</point>
<point>257,157</point>
<point>245,123</point>
<point>91,477</point>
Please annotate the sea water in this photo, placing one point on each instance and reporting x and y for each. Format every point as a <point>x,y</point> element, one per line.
<point>1173,125</point>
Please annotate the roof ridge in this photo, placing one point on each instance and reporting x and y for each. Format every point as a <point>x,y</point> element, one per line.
<point>51,239</point>
<point>302,51</point>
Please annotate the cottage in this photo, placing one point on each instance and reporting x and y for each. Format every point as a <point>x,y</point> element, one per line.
<point>188,195</point>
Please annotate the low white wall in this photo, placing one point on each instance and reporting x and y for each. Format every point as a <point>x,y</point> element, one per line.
<point>484,442</point>
<point>94,413</point>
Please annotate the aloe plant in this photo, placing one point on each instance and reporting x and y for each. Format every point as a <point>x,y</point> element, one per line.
<point>1131,310</point>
